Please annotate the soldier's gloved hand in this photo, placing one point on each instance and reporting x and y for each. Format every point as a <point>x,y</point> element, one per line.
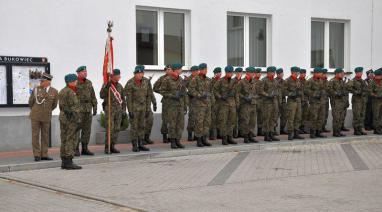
<point>177,95</point>
<point>94,111</point>
<point>131,115</point>
<point>155,106</point>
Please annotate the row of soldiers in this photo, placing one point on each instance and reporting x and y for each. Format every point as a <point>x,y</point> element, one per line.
<point>220,107</point>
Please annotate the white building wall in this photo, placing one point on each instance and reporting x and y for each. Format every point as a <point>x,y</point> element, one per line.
<point>71,33</point>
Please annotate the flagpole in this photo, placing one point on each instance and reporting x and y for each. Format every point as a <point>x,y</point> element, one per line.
<point>109,26</point>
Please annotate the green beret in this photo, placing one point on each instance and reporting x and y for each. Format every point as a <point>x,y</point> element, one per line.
<point>338,70</point>
<point>280,70</point>
<point>194,68</point>
<point>116,72</point>
<point>295,69</point>
<point>257,70</point>
<point>271,69</point>
<point>239,69</point>
<point>250,69</point>
<point>317,70</point>
<point>70,78</point>
<point>378,72</point>
<point>358,69</point>
<point>202,66</point>
<point>303,71</point>
<point>217,70</point>
<point>81,68</point>
<point>228,69</point>
<point>139,69</point>
<point>176,66</point>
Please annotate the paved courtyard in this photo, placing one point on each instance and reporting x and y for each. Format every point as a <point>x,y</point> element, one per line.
<point>309,177</point>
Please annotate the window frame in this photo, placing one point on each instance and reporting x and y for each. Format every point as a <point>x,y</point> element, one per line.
<point>268,37</point>
<point>327,41</point>
<point>160,25</point>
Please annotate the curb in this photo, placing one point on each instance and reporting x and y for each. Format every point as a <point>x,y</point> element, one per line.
<point>187,152</point>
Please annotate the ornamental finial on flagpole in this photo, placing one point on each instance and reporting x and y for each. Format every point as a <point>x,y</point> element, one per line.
<point>109,26</point>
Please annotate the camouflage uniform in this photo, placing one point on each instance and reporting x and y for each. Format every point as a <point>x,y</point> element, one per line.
<point>259,104</point>
<point>88,101</point>
<point>326,105</point>
<point>150,115</point>
<point>271,97</point>
<point>117,110</point>
<point>174,93</point>
<point>191,109</point>
<point>138,99</point>
<point>317,92</point>
<point>376,93</point>
<point>304,105</point>
<point>41,115</point>
<point>157,88</point>
<point>368,123</point>
<point>247,108</point>
<point>70,108</point>
<point>360,92</point>
<point>237,127</point>
<point>200,91</point>
<point>338,91</point>
<point>214,112</point>
<point>225,93</point>
<point>293,88</point>
<point>282,108</point>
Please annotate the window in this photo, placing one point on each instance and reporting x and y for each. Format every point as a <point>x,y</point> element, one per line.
<point>161,37</point>
<point>247,40</point>
<point>328,41</point>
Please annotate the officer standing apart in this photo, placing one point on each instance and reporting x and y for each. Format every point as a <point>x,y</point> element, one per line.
<point>69,121</point>
<point>225,93</point>
<point>376,94</point>
<point>88,101</point>
<point>174,91</point>
<point>359,88</point>
<point>117,109</point>
<point>138,98</point>
<point>200,93</point>
<point>247,109</point>
<point>270,93</point>
<point>42,102</point>
<point>293,89</point>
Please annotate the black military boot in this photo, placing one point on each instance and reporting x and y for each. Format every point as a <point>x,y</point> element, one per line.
<point>290,136</point>
<point>67,163</point>
<point>260,131</point>
<point>251,138</point>
<point>113,149</point>
<point>218,134</point>
<point>246,139</point>
<point>148,140</point>
<point>319,135</point>
<point>377,131</point>
<point>178,144</point>
<point>85,150</point>
<point>273,138</point>
<point>282,131</point>
<point>204,141</point>
<point>199,142</point>
<point>224,140</point>
<point>141,146</point>
<point>190,137</point>
<point>336,133</point>
<point>297,135</point>
<point>342,135</point>
<point>240,134</point>
<point>77,151</point>
<point>165,139</point>
<point>212,135</point>
<point>230,140</point>
<point>173,145</point>
<point>312,134</point>
<point>356,131</point>
<point>134,143</point>
<point>267,137</point>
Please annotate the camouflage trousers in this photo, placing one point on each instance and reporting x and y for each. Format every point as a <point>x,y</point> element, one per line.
<point>175,121</point>
<point>377,114</point>
<point>37,127</point>
<point>282,115</point>
<point>191,118</point>
<point>317,113</point>
<point>293,113</point>
<point>270,112</point>
<point>259,114</point>
<point>115,126</point>
<point>214,117</point>
<point>68,137</point>
<point>304,113</point>
<point>138,125</point>
<point>149,121</point>
<point>247,118</point>
<point>359,110</point>
<point>84,129</point>
<point>226,119</point>
<point>202,120</point>
<point>326,114</point>
<point>338,113</point>
<point>164,125</point>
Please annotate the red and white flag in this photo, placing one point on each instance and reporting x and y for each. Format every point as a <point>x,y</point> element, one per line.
<point>108,67</point>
